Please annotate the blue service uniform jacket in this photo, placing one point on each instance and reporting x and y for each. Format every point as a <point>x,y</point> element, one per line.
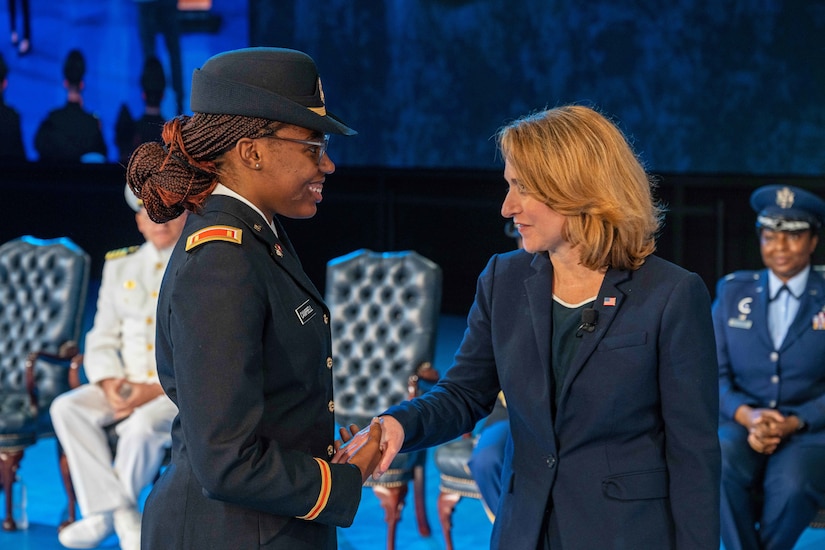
<point>244,351</point>
<point>631,459</point>
<point>790,379</point>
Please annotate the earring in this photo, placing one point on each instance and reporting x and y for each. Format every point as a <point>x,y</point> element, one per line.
<point>257,166</point>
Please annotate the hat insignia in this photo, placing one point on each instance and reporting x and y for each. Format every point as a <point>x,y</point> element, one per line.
<point>784,198</point>
<point>322,110</point>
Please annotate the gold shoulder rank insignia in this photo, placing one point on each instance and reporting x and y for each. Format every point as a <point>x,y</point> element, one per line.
<point>121,252</point>
<point>214,233</point>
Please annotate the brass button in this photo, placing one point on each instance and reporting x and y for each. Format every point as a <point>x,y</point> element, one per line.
<point>149,347</point>
<point>326,319</point>
<point>331,406</point>
<point>149,320</point>
<point>330,450</point>
<point>329,362</point>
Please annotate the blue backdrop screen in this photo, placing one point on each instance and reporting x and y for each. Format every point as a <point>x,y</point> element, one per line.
<point>699,86</point>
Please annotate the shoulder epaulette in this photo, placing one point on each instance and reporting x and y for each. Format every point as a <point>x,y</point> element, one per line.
<point>214,233</point>
<point>743,275</point>
<point>121,252</point>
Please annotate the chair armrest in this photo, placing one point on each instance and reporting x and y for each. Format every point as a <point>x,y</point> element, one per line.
<point>424,372</point>
<point>66,354</point>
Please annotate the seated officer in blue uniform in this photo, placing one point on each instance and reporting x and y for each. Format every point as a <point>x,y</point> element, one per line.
<point>770,331</point>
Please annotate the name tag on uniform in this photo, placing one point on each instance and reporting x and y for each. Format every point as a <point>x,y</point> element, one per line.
<point>740,323</point>
<point>305,312</point>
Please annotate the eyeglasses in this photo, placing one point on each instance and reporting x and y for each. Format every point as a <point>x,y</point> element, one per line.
<point>317,148</point>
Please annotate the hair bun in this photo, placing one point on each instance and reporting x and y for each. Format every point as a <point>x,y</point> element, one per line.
<point>145,176</point>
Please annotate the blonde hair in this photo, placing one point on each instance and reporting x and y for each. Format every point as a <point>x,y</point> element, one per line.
<point>578,163</point>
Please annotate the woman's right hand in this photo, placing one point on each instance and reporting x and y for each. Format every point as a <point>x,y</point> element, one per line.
<point>362,448</point>
<point>392,437</point>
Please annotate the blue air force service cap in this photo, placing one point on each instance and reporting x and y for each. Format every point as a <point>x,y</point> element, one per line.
<point>787,208</point>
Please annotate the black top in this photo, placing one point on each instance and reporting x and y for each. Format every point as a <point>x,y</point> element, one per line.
<point>565,344</point>
<point>11,139</point>
<point>68,133</point>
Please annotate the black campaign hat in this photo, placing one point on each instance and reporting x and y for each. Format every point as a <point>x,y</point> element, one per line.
<point>274,83</point>
<point>787,208</point>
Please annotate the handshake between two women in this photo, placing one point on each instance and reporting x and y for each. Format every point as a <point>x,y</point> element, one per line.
<point>369,447</point>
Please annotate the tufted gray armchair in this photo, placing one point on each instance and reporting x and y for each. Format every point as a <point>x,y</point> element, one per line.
<point>43,285</point>
<point>384,309</point>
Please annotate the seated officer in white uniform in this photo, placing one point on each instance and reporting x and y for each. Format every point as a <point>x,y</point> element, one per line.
<point>770,334</point>
<point>119,362</point>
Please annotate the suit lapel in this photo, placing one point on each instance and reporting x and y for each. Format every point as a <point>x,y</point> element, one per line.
<point>608,303</point>
<point>539,287</point>
<point>759,309</point>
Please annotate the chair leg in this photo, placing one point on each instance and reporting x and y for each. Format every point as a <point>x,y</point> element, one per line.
<point>446,504</point>
<point>9,461</point>
<point>71,498</point>
<point>392,501</point>
<point>420,502</point>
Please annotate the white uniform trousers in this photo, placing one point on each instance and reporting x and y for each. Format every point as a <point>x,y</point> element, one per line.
<point>101,484</point>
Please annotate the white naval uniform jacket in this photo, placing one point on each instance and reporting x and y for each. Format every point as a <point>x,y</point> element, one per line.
<point>122,341</point>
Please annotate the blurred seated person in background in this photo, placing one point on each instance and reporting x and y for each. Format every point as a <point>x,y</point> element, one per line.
<point>487,461</point>
<point>71,134</point>
<point>770,333</point>
<point>11,138</point>
<point>119,362</point>
<point>129,133</point>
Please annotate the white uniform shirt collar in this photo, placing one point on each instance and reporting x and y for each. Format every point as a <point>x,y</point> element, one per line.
<point>221,189</point>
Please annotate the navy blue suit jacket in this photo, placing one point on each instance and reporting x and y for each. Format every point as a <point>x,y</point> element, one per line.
<point>244,351</point>
<point>631,459</point>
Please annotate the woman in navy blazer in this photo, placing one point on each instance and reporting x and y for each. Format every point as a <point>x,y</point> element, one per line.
<point>604,352</point>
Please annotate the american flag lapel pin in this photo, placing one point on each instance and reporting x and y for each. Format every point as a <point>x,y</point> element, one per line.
<point>609,301</point>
